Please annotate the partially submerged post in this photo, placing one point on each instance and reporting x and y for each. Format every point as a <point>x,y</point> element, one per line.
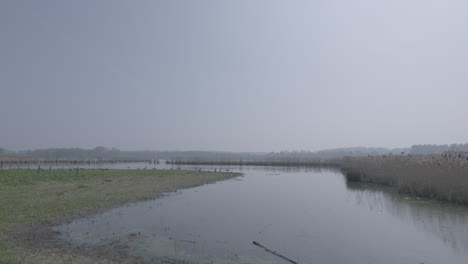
<point>274,252</point>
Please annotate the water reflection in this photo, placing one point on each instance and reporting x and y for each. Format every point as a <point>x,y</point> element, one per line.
<point>447,222</point>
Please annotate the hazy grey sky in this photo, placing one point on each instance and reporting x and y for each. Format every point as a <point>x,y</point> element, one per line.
<point>233,75</point>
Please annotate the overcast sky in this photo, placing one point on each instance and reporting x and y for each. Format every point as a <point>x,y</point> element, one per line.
<point>233,75</point>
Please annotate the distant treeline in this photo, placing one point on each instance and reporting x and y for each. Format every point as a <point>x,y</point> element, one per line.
<point>114,153</point>
<point>101,152</point>
<point>437,149</point>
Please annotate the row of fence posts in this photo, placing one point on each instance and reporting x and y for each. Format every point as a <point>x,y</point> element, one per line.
<point>39,168</point>
<point>3,166</point>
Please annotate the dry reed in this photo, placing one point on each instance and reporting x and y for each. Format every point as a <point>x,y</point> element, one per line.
<point>440,177</point>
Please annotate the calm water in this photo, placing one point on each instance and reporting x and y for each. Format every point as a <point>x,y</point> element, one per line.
<point>310,216</point>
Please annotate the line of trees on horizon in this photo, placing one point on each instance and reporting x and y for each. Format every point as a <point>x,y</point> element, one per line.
<point>101,152</point>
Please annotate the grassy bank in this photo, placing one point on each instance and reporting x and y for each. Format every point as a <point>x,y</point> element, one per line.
<point>41,197</point>
<point>439,177</point>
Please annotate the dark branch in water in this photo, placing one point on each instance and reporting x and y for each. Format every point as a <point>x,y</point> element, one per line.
<point>273,252</point>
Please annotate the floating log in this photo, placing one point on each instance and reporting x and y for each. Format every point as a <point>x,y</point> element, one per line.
<point>274,252</point>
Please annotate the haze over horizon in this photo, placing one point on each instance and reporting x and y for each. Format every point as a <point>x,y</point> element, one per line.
<point>254,76</point>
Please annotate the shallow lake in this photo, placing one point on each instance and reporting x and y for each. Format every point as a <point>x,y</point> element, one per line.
<point>308,215</point>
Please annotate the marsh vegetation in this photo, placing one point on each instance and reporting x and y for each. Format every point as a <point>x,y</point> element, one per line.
<point>306,214</point>
<point>43,196</point>
<point>441,177</point>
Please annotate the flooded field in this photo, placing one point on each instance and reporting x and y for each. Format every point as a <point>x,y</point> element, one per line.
<point>308,215</point>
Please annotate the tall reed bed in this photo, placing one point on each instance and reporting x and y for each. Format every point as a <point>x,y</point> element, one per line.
<point>440,177</point>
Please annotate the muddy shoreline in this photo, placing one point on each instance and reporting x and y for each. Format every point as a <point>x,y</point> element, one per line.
<point>39,243</point>
<point>44,245</point>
